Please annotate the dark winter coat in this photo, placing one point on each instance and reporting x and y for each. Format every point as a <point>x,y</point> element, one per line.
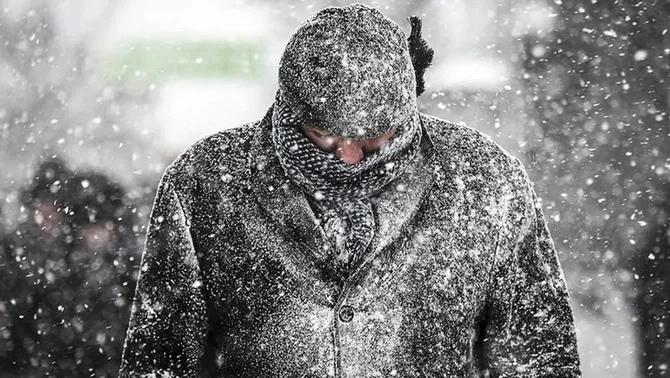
<point>461,280</point>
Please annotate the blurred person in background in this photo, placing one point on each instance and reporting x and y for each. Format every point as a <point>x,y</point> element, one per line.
<point>31,260</point>
<point>66,307</point>
<point>348,235</point>
<point>103,257</point>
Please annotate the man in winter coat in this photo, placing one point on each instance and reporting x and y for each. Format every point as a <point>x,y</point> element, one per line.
<point>348,235</point>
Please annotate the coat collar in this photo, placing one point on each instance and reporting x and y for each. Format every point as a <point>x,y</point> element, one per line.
<point>287,206</point>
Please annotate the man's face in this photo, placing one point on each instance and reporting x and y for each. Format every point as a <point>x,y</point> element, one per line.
<point>350,151</point>
<point>47,216</point>
<point>98,237</point>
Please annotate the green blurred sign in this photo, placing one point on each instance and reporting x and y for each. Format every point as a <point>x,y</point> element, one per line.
<point>161,59</point>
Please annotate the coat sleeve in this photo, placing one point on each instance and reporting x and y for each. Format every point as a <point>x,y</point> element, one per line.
<point>166,334</point>
<point>530,328</point>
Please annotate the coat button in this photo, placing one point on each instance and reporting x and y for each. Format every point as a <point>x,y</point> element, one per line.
<point>346,313</point>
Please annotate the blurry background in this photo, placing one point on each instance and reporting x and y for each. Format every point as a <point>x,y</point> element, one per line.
<point>97,97</point>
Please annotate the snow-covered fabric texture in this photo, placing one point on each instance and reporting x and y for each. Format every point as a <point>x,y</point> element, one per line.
<point>340,192</point>
<point>460,280</point>
<point>341,58</point>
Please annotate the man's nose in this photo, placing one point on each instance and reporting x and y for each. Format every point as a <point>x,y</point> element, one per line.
<point>349,151</point>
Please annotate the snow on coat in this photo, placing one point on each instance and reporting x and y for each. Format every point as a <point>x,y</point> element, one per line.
<point>461,280</point>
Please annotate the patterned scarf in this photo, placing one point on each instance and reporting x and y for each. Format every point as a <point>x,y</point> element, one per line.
<point>339,192</point>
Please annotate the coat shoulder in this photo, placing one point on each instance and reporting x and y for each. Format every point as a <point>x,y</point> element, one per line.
<point>218,163</point>
<point>220,155</point>
<point>471,150</point>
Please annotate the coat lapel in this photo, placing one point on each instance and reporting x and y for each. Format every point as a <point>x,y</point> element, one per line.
<point>286,207</point>
<point>398,203</point>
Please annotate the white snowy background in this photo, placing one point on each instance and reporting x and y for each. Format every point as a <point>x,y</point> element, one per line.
<point>123,87</point>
